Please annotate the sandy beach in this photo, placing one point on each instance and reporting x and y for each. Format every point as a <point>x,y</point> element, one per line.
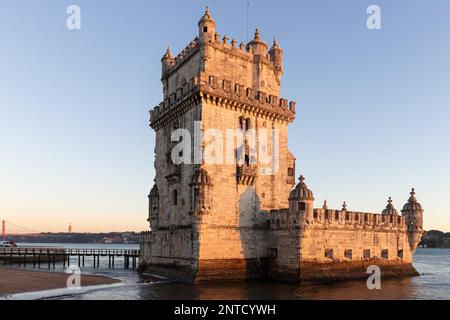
<point>20,281</point>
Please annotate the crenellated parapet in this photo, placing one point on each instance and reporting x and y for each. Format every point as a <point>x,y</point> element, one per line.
<point>329,218</point>
<point>231,94</point>
<point>282,219</point>
<point>221,92</point>
<point>176,104</point>
<point>340,219</point>
<point>172,64</point>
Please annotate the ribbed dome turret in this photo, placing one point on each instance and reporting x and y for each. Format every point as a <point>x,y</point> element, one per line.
<point>301,191</point>
<point>390,209</point>
<point>201,178</point>
<point>154,192</point>
<point>207,18</point>
<point>258,45</point>
<point>412,204</point>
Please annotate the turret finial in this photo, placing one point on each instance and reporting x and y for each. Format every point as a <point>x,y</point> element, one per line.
<point>390,200</point>
<point>413,196</point>
<point>257,37</point>
<point>344,206</point>
<point>301,179</point>
<point>275,42</point>
<point>325,205</point>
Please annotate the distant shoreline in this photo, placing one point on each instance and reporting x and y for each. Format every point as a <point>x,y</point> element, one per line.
<point>14,281</point>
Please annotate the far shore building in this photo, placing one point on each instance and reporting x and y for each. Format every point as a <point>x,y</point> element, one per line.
<point>239,221</point>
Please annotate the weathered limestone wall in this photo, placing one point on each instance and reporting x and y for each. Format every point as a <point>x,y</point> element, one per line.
<point>342,231</point>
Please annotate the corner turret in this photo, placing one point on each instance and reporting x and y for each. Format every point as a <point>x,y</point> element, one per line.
<point>167,61</point>
<point>390,209</point>
<point>257,46</point>
<point>276,57</point>
<point>414,218</point>
<point>206,27</point>
<point>153,207</point>
<point>301,202</point>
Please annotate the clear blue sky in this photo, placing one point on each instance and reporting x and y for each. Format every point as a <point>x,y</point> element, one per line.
<point>373,106</point>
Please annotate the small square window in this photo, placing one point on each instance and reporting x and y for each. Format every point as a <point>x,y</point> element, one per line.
<point>348,254</point>
<point>301,206</point>
<point>290,172</point>
<point>273,252</point>
<point>385,254</point>
<point>329,253</point>
<point>366,253</point>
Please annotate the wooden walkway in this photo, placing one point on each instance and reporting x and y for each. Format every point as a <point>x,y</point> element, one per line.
<point>50,256</point>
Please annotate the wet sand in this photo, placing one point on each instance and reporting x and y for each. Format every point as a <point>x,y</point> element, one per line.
<point>21,281</point>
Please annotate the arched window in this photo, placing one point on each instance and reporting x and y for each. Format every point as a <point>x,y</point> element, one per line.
<point>195,196</point>
<point>241,123</point>
<point>247,154</point>
<point>247,160</point>
<point>247,124</point>
<point>175,197</point>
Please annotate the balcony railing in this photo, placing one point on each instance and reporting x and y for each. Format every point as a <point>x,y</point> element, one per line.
<point>246,174</point>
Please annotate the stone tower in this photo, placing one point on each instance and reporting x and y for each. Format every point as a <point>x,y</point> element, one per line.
<point>197,205</point>
<point>224,205</point>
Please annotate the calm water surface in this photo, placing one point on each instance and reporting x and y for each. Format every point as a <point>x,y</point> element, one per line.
<point>433,264</point>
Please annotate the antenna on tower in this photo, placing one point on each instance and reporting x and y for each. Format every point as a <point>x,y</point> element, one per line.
<point>248,10</point>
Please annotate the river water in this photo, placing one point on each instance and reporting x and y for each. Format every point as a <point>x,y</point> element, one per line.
<point>432,264</point>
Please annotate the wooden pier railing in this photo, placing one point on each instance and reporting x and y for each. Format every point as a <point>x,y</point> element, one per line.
<point>50,256</point>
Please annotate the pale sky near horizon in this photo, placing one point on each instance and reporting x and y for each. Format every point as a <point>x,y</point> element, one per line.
<point>372,106</point>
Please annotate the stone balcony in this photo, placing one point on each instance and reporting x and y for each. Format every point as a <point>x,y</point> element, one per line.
<point>175,176</point>
<point>246,174</point>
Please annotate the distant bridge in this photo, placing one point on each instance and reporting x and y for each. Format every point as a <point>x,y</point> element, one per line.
<point>17,230</point>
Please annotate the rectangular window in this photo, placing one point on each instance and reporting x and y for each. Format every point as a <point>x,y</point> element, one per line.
<point>315,214</point>
<point>400,254</point>
<point>329,253</point>
<point>385,254</point>
<point>348,254</point>
<point>366,253</point>
<point>290,172</point>
<point>336,215</point>
<point>301,206</point>
<point>273,252</point>
<point>375,239</point>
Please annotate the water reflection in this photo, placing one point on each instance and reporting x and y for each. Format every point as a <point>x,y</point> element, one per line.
<point>434,265</point>
<point>356,290</point>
